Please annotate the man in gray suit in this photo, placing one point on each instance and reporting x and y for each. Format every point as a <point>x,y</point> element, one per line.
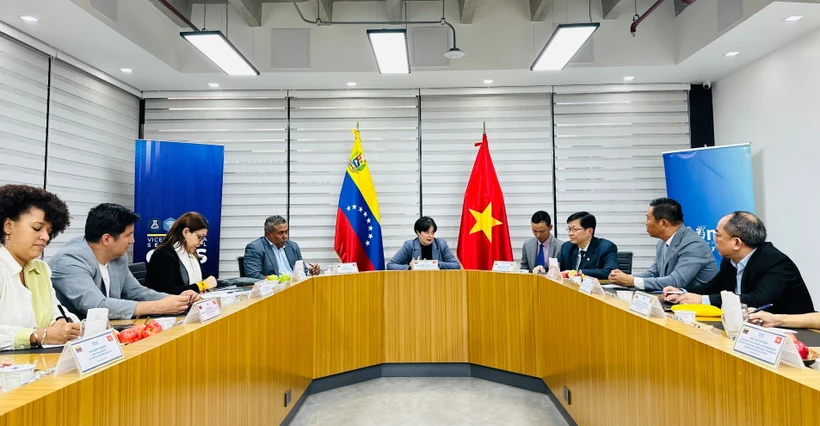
<point>682,257</point>
<point>274,254</point>
<point>538,251</point>
<point>92,271</point>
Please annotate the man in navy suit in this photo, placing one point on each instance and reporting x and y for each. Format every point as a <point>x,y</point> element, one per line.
<point>274,254</point>
<point>584,251</point>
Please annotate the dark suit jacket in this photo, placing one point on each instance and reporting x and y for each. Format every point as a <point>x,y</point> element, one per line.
<point>167,274</point>
<point>600,259</point>
<point>411,249</point>
<point>260,261</point>
<point>770,277</point>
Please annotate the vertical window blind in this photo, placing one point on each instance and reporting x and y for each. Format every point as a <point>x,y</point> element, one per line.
<point>608,145</point>
<point>252,125</point>
<point>23,106</point>
<point>92,127</point>
<point>519,130</point>
<point>320,146</point>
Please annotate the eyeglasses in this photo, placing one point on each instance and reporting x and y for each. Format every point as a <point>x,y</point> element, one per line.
<point>200,236</point>
<point>574,230</point>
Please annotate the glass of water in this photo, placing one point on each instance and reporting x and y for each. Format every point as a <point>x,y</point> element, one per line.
<point>733,329</point>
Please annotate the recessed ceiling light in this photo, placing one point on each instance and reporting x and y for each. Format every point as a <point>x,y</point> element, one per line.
<point>28,18</point>
<point>488,82</point>
<point>213,85</point>
<point>351,84</point>
<point>629,78</point>
<point>730,54</point>
<point>794,18</point>
<point>126,70</point>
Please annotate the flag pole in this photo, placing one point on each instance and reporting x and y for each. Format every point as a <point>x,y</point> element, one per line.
<point>357,125</point>
<point>484,123</point>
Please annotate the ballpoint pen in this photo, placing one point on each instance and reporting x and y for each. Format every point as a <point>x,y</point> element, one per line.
<point>62,311</point>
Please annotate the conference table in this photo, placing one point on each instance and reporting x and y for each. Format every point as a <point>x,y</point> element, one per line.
<point>618,368</point>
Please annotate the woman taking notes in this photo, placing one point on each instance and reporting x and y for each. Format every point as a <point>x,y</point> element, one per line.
<point>174,267</point>
<point>30,314</point>
<point>425,247</point>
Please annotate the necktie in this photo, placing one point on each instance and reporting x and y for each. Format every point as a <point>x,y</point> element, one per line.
<point>581,255</point>
<point>539,261</point>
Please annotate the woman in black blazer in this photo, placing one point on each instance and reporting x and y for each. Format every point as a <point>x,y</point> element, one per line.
<point>174,266</point>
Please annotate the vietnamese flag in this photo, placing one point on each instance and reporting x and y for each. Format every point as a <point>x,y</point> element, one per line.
<point>484,236</point>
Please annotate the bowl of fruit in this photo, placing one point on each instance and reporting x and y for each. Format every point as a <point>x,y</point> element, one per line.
<point>808,355</point>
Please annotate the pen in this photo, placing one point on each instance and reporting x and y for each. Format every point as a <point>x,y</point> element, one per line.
<point>762,308</point>
<point>62,311</point>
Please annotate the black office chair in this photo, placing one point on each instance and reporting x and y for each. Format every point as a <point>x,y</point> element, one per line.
<point>625,262</point>
<point>241,261</point>
<point>139,270</point>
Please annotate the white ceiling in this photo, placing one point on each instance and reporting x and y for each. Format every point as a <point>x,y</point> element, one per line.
<point>500,45</point>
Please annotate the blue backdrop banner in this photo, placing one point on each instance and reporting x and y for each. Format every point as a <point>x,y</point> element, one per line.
<point>710,183</point>
<point>172,178</point>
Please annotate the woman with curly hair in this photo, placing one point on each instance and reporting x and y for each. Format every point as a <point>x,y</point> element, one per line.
<point>30,315</point>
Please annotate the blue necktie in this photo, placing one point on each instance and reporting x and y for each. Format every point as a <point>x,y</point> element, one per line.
<point>540,260</point>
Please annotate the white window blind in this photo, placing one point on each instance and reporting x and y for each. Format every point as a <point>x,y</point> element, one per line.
<point>609,141</point>
<point>519,130</point>
<point>92,127</point>
<point>321,141</point>
<point>252,126</point>
<point>23,106</point>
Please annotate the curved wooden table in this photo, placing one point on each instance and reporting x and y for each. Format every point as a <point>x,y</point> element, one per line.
<point>620,368</point>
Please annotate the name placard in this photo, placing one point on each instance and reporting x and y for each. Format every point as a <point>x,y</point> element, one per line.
<point>203,312</point>
<point>646,305</point>
<point>503,266</point>
<point>591,286</point>
<point>425,265</point>
<point>262,289</point>
<point>346,268</point>
<point>767,346</point>
<point>90,353</point>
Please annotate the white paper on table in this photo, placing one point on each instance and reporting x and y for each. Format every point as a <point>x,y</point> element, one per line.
<point>614,287</point>
<point>732,315</point>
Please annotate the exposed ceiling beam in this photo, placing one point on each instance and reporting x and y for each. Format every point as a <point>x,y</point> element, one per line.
<point>185,7</point>
<point>466,9</point>
<point>325,8</point>
<point>250,10</point>
<point>612,8</point>
<point>538,9</point>
<point>394,8</point>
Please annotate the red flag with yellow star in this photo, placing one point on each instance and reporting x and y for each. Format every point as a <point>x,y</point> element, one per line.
<point>484,236</point>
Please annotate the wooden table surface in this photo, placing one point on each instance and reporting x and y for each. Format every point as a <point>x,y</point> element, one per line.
<point>621,369</point>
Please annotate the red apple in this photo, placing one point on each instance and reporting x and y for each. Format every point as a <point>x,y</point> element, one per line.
<point>802,349</point>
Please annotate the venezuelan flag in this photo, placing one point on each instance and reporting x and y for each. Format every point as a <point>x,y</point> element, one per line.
<point>358,221</point>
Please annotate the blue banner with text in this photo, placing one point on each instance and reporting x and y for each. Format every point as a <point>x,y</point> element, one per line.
<point>710,183</point>
<point>172,178</point>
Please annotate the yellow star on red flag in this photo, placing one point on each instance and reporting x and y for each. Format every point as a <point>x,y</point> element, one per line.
<point>485,221</point>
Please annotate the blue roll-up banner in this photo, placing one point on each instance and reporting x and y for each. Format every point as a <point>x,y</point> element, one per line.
<point>172,178</point>
<point>710,183</point>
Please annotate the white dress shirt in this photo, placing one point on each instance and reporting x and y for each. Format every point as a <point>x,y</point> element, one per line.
<point>638,283</point>
<point>191,264</point>
<point>106,278</point>
<point>741,266</point>
<point>16,309</point>
<point>282,260</point>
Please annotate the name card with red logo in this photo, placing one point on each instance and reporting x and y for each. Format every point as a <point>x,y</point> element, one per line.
<point>90,353</point>
<point>767,346</point>
<point>203,312</point>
